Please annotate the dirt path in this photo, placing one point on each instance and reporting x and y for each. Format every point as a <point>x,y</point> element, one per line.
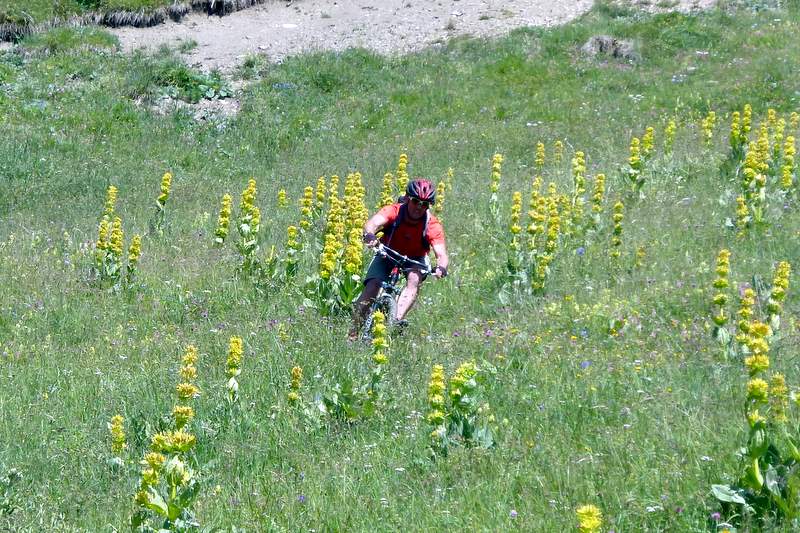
<point>280,29</point>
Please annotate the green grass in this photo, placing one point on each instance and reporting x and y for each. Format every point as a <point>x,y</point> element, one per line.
<point>642,432</point>
<point>36,11</point>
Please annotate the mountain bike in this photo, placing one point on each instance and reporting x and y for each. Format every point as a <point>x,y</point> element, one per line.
<point>386,299</point>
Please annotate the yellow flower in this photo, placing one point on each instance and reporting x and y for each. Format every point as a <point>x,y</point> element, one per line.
<point>648,141</point>
<point>669,136</point>
<point>182,414</point>
<point>283,201</point>
<point>187,391</point>
<point>190,355</point>
<point>558,151</point>
<point>293,397</point>
<point>154,460</point>
<point>166,182</point>
<point>756,363</point>
<point>134,250</point>
<point>708,127</point>
<point>102,238</point>
<point>149,477</point>
<point>224,220</point>
<point>757,390</point>
<point>235,352</point>
<point>117,430</point>
<point>590,519</point>
<point>111,200</point>
<point>115,242</point>
<point>779,398</point>
<point>540,155</point>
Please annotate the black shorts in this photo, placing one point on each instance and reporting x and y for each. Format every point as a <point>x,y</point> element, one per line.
<point>381,267</point>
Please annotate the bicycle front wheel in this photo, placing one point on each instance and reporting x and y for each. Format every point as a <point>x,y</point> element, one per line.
<point>387,305</point>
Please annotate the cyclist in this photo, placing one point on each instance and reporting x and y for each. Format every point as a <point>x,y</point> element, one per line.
<point>411,230</point>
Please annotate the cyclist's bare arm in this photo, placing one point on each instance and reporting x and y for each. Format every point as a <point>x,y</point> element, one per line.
<point>440,251</point>
<point>375,223</point>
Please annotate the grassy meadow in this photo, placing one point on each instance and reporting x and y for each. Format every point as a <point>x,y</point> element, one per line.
<point>606,388</point>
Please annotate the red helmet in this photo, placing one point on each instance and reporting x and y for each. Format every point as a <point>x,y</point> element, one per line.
<point>421,189</point>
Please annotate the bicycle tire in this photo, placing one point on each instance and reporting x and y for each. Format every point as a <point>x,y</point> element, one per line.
<point>387,305</point>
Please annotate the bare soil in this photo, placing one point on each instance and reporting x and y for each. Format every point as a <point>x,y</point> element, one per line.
<point>280,29</point>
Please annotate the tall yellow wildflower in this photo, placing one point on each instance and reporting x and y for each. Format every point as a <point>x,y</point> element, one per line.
<point>295,384</point>
<point>540,154</point>
<point>111,202</point>
<point>320,194</point>
<point>402,174</point>
<point>224,220</point>
<point>558,151</point>
<point>721,284</point>
<point>116,428</point>
<point>387,192</point>
<point>166,184</point>
<point>616,237</point>
<point>283,200</point>
<point>709,122</point>
<point>648,142</point>
<point>669,136</point>
<point>590,519</point>
<point>788,167</point>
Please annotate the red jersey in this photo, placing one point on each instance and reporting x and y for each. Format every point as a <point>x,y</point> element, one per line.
<point>407,237</point>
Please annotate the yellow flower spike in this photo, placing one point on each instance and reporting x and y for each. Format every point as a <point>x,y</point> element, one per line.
<point>778,398</point>
<point>590,519</point>
<point>669,136</point>
<point>182,414</point>
<point>742,216</point>
<point>735,137</point>
<point>187,391</point>
<point>320,193</point>
<point>558,151</point>
<point>648,142</point>
<point>402,175</point>
<point>746,119</point>
<point>117,430</point>
<point>794,120</point>
<point>353,255</point>
<point>283,200</point>
<point>189,355</point>
<point>103,234</point>
<point>166,184</point>
<point>224,220</point>
<point>497,162</point>
<point>441,190</point>
<point>788,168</point>
<point>616,240</point>
<point>188,372</point>
<point>294,386</point>
<point>116,239</point>
<point>111,201</point>
<point>540,155</point>
<point>708,127</point>
<point>757,390</point>
<point>154,460</point>
<point>720,283</point>
<point>387,193</point>
<point>235,353</point>
<point>134,251</point>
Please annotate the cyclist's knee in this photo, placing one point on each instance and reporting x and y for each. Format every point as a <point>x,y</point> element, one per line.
<point>414,280</point>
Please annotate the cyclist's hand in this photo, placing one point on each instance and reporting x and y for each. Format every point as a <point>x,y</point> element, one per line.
<point>370,239</point>
<point>440,272</point>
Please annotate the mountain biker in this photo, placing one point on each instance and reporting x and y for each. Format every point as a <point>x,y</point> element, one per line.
<point>411,230</point>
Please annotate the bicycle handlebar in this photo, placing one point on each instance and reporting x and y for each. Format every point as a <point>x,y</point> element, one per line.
<point>400,259</point>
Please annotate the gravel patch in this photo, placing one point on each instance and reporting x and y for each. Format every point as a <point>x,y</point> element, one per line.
<point>281,29</point>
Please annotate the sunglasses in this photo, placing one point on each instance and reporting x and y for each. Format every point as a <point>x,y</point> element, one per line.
<point>420,203</point>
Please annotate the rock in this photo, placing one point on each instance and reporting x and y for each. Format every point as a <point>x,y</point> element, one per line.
<point>609,46</point>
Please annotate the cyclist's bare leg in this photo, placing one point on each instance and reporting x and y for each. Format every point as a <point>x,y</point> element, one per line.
<point>409,294</point>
